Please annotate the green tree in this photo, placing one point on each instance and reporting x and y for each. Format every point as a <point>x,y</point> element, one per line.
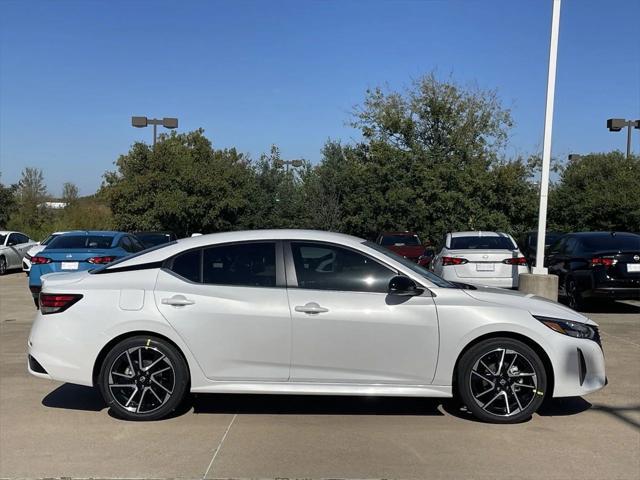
<point>7,203</point>
<point>183,185</point>
<point>29,215</point>
<point>429,161</point>
<point>600,191</point>
<point>69,193</point>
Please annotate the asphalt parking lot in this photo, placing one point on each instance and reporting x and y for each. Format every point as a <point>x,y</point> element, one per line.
<point>49,429</point>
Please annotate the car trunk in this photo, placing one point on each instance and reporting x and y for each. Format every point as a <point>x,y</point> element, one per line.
<point>627,263</point>
<point>64,260</point>
<point>485,263</point>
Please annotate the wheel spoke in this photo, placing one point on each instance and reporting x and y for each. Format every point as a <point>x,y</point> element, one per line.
<point>155,394</point>
<point>160,385</point>
<point>473,372</point>
<point>515,395</point>
<point>140,359</point>
<point>160,371</point>
<point>501,362</point>
<point>486,405</point>
<point>144,390</point>
<point>118,374</point>
<point>133,370</point>
<point>132,395</point>
<point>148,367</point>
<point>487,368</point>
<point>506,401</point>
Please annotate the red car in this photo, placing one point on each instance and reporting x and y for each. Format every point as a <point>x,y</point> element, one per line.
<point>408,245</point>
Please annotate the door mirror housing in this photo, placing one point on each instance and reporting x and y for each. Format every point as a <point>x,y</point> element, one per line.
<point>404,287</point>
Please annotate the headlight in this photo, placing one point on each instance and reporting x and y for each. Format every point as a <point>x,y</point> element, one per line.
<point>568,327</point>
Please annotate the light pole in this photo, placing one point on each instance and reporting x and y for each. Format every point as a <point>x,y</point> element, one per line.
<point>166,122</point>
<point>617,124</point>
<point>281,163</point>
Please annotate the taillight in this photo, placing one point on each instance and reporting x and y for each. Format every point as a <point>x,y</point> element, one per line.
<point>101,260</point>
<point>57,302</point>
<point>605,262</point>
<point>516,261</point>
<point>40,260</point>
<point>453,261</point>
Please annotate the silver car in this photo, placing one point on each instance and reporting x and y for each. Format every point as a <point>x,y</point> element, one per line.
<point>13,247</point>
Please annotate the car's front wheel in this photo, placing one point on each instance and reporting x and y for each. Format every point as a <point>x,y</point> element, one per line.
<point>501,380</point>
<point>143,378</point>
<point>3,265</point>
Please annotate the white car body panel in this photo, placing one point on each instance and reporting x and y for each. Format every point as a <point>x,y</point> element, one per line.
<point>251,340</point>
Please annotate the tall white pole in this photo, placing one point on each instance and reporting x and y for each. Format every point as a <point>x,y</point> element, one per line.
<point>546,145</point>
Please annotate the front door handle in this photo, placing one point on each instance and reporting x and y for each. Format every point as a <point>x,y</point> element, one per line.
<point>311,307</point>
<point>177,301</point>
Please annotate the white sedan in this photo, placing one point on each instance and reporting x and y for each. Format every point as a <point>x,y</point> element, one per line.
<point>490,259</point>
<point>304,312</point>
<point>13,247</point>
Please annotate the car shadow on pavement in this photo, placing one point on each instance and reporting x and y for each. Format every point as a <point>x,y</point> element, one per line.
<point>611,307</point>
<point>313,405</point>
<point>75,397</point>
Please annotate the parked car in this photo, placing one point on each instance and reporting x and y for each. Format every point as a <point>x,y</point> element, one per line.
<point>304,312</point>
<point>13,246</point>
<point>152,239</point>
<point>80,250</point>
<point>37,248</point>
<point>480,258</point>
<point>528,244</point>
<point>408,245</point>
<point>592,265</point>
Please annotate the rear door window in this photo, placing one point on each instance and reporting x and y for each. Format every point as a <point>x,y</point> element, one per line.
<point>243,264</point>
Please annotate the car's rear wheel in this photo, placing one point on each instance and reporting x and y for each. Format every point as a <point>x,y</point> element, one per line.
<point>574,298</point>
<point>143,378</point>
<point>3,265</point>
<point>501,380</point>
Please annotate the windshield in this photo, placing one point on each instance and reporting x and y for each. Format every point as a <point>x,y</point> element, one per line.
<point>414,267</point>
<point>482,243</point>
<point>400,240</point>
<point>81,241</point>
<point>152,239</point>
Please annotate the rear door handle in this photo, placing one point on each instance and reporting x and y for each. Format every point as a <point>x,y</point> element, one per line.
<point>311,307</point>
<point>177,301</point>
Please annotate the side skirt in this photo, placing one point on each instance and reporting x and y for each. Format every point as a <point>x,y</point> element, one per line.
<point>284,388</point>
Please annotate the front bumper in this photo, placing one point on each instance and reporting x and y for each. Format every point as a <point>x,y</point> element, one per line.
<point>579,368</point>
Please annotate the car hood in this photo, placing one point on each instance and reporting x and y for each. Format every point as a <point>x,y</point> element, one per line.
<point>534,304</point>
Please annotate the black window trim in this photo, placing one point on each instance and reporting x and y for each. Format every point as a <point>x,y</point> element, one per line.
<point>290,267</point>
<point>167,264</point>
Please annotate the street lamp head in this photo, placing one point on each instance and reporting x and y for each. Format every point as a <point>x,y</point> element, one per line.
<point>139,122</point>
<point>616,124</point>
<point>169,122</point>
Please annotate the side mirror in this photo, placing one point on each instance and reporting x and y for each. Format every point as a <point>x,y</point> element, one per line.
<point>404,287</point>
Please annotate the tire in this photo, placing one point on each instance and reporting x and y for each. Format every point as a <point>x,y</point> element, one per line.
<point>3,266</point>
<point>574,298</point>
<point>148,393</point>
<point>510,394</point>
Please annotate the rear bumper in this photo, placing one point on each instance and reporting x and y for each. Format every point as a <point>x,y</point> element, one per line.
<point>496,282</point>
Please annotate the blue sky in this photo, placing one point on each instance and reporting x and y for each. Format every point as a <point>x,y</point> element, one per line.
<point>253,73</point>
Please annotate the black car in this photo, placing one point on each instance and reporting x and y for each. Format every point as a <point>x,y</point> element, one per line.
<point>152,239</point>
<point>596,265</point>
<point>529,243</point>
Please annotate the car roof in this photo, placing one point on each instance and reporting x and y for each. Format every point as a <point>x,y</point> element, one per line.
<point>94,232</point>
<point>183,244</point>
<point>478,233</point>
<point>603,234</point>
<point>406,232</point>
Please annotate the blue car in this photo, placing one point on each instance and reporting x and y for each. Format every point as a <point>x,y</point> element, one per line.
<point>80,250</point>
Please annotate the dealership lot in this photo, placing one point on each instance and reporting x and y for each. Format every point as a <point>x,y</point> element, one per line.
<point>49,429</point>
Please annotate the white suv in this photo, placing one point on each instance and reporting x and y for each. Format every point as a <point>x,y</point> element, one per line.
<point>480,258</point>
